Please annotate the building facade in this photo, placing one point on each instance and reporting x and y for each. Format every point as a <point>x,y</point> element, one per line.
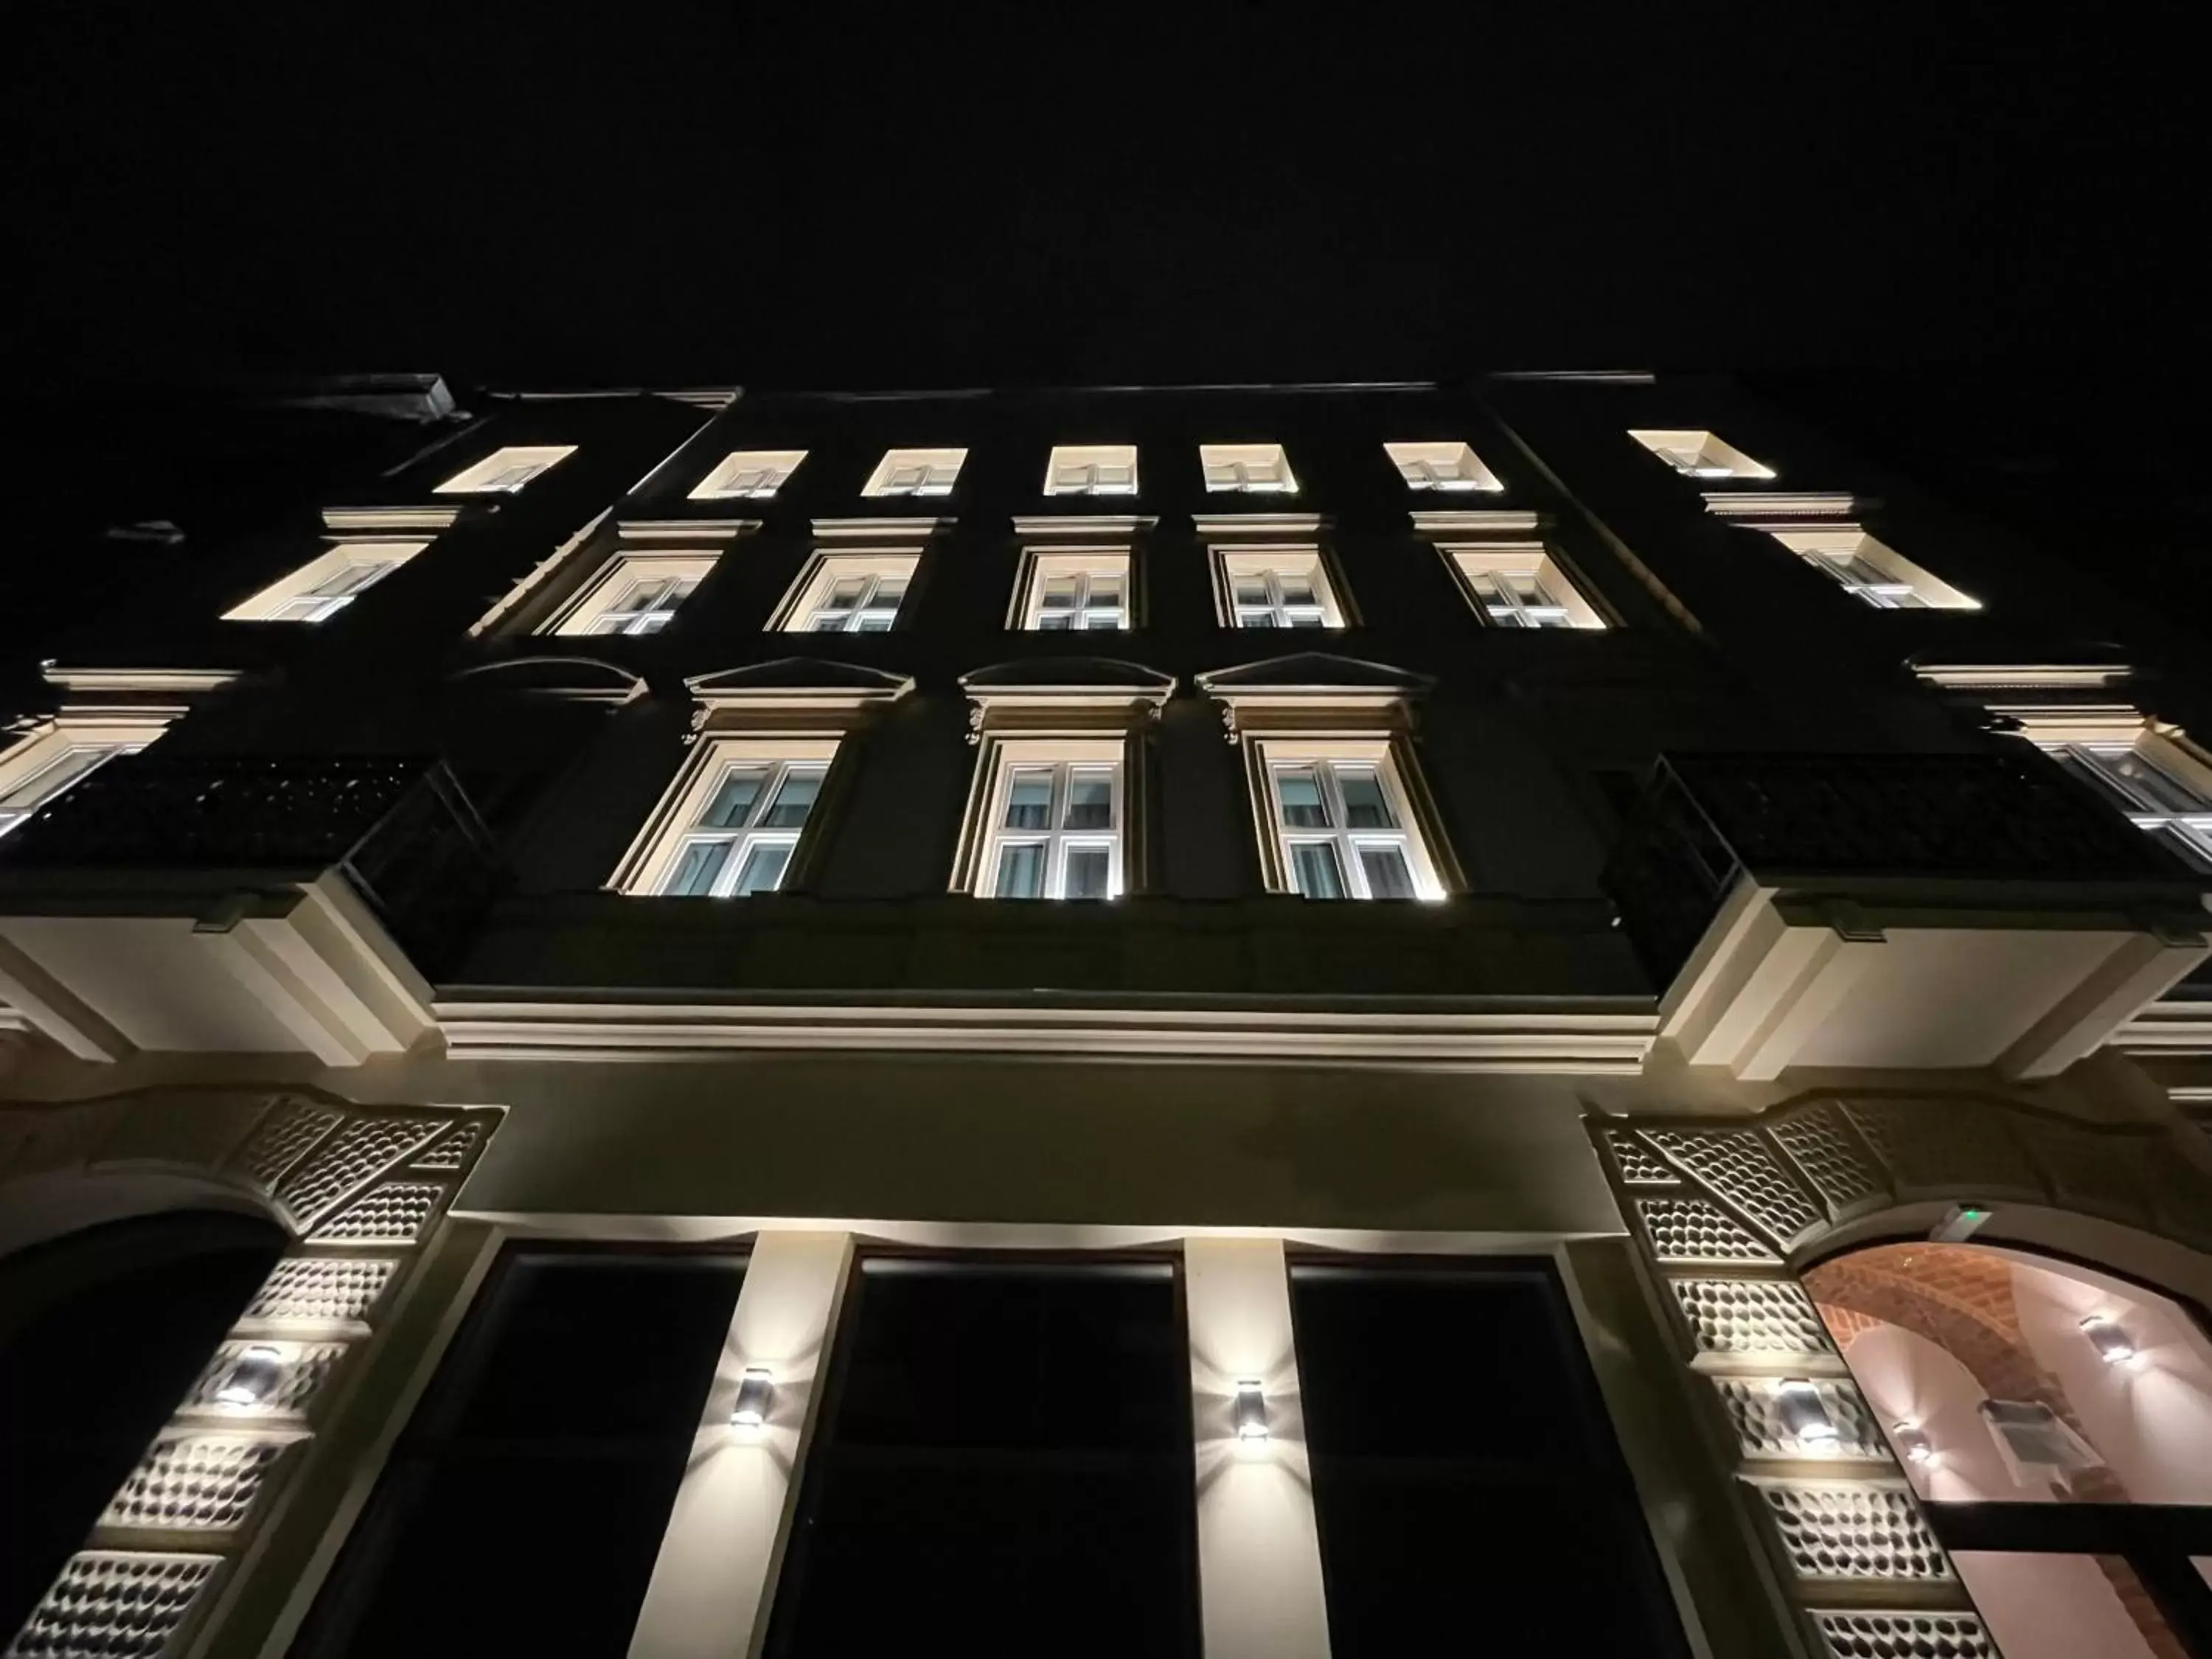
<point>1234,1022</point>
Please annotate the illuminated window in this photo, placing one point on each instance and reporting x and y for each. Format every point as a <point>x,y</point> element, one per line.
<point>1275,587</point>
<point>1092,470</point>
<point>1874,574</point>
<point>1075,590</point>
<point>734,821</point>
<point>321,588</point>
<point>1054,812</point>
<point>1341,823</point>
<point>1701,455</point>
<point>749,474</point>
<point>915,472</point>
<point>1448,467</point>
<point>2157,783</point>
<point>849,593</point>
<point>1521,587</point>
<point>40,767</point>
<point>506,471</point>
<point>1256,469</point>
<point>638,593</point>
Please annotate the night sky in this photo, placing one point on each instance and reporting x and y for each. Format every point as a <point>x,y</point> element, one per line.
<point>811,194</point>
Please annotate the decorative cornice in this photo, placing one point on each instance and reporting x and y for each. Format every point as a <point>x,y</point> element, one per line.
<point>184,682</point>
<point>2052,677</point>
<point>568,679</point>
<point>1588,1042</point>
<point>1084,524</point>
<point>686,531</point>
<point>2173,1026</point>
<point>880,529</point>
<point>1476,522</point>
<point>1773,507</point>
<point>1258,523</point>
<point>345,521</point>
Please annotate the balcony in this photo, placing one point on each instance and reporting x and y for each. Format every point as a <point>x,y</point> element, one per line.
<point>173,903</point>
<point>1896,911</point>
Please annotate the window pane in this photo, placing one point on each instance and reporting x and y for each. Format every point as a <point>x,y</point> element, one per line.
<point>1029,801</point>
<point>1105,617</point>
<point>1090,801</point>
<point>874,622</point>
<point>1304,617</point>
<point>1297,590</point>
<point>794,799</point>
<point>1088,869</point>
<point>1251,590</point>
<point>1388,878</point>
<point>846,591</point>
<point>1105,590</point>
<point>1021,871</point>
<point>1058,593</point>
<point>1298,787</point>
<point>1255,619</point>
<point>1314,866</point>
<point>733,801</point>
<point>1365,805</point>
<point>762,870</point>
<point>701,861</point>
<point>1056,621</point>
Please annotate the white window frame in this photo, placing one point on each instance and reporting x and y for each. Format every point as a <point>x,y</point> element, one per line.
<point>606,596</point>
<point>1231,563</point>
<point>1500,603</point>
<point>1041,566</point>
<point>504,471</point>
<point>1092,470</point>
<point>37,758</point>
<point>752,475</point>
<point>1247,468</point>
<point>1870,570</point>
<point>294,598</point>
<point>1453,467</point>
<point>2088,753</point>
<point>809,595</point>
<point>1700,455</point>
<point>676,823</point>
<point>1061,758</point>
<point>915,472</point>
<point>1271,757</point>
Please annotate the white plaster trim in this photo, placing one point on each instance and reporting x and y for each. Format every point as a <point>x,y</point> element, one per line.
<point>1588,1042</point>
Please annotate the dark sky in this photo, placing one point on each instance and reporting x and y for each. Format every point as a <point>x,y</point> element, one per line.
<point>816,195</point>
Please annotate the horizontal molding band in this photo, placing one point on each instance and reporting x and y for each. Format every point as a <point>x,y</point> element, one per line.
<point>1604,1042</point>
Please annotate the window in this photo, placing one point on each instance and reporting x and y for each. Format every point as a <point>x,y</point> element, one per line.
<point>751,474</point>
<point>1092,470</point>
<point>1275,588</point>
<point>1875,574</point>
<point>731,825</point>
<point>1055,813</point>
<point>538,1415</point>
<point>1078,591</point>
<point>1521,587</point>
<point>1341,822</point>
<point>915,472</point>
<point>1256,469</point>
<point>1449,466</point>
<point>322,587</point>
<point>850,594</point>
<point>638,594</point>
<point>40,767</point>
<point>1701,455</point>
<point>506,471</point>
<point>1002,1464</point>
<point>2162,798</point>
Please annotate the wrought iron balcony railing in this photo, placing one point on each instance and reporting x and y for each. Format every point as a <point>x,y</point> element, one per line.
<point>400,830</point>
<point>1864,822</point>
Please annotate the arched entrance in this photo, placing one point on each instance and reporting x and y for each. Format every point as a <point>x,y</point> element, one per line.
<point>2056,1424</point>
<point>1738,1217</point>
<point>101,1332</point>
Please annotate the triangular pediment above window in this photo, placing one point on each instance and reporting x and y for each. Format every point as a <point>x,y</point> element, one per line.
<point>1313,690</point>
<point>569,680</point>
<point>1034,693</point>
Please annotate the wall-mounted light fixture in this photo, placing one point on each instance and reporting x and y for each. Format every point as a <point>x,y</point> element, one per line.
<point>1803,1413</point>
<point>1912,1440</point>
<point>755,1389</point>
<point>1251,1413</point>
<point>2113,1345</point>
<point>253,1376</point>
